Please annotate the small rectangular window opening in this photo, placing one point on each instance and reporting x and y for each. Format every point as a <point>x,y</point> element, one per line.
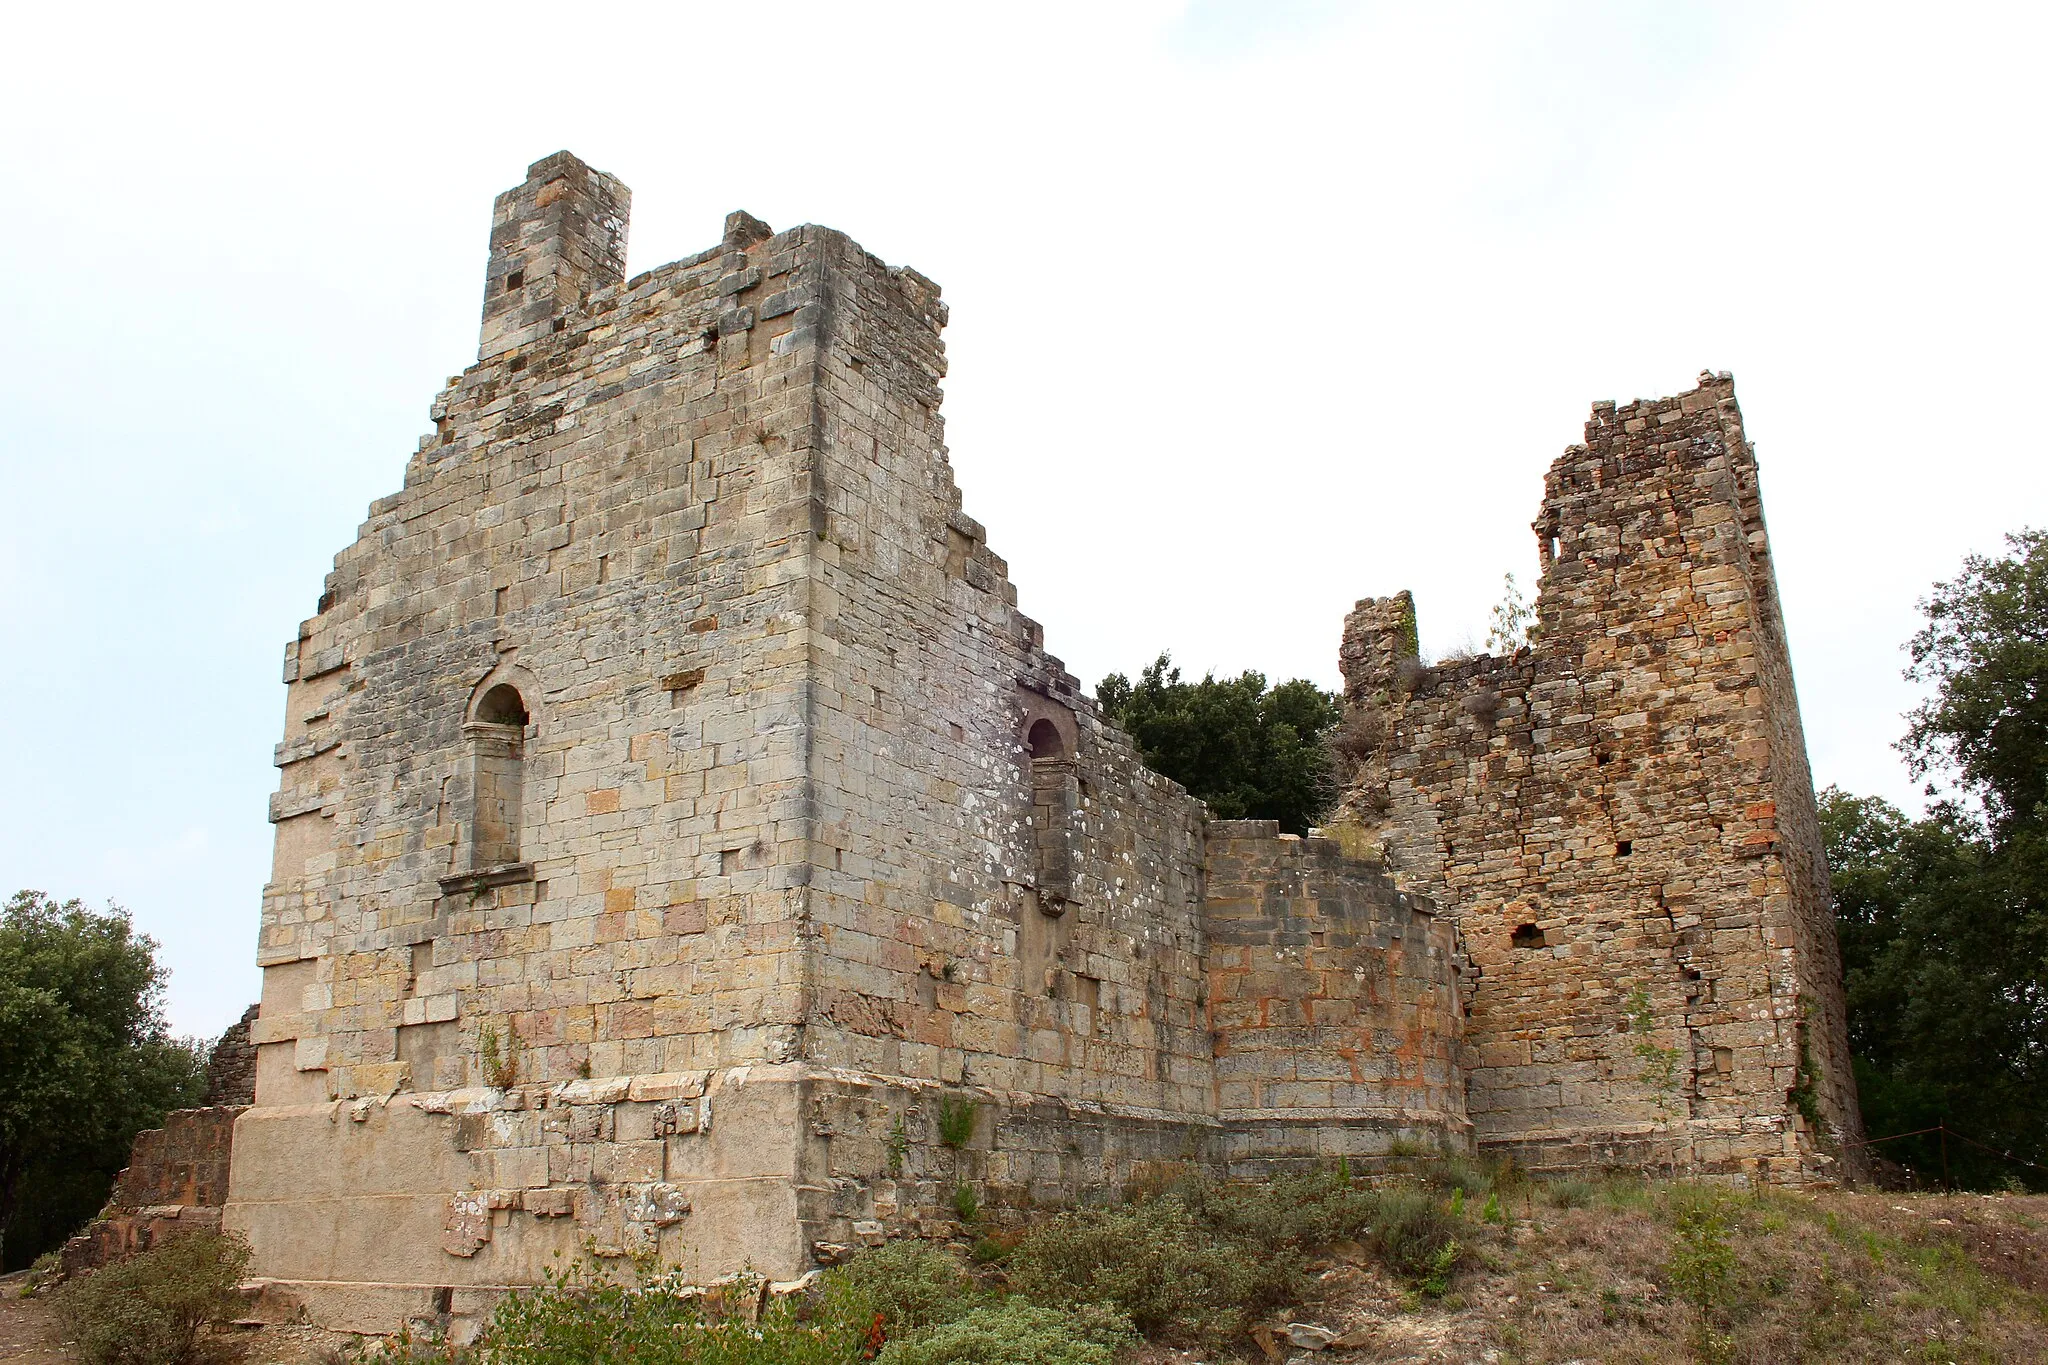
<point>498,601</point>
<point>1526,936</point>
<point>1625,847</point>
<point>514,280</point>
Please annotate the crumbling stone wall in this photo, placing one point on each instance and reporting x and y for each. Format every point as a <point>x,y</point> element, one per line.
<point>677,810</point>
<point>175,1182</point>
<point>1018,920</point>
<point>1335,1003</point>
<point>678,818</point>
<point>1621,819</point>
<point>231,1065</point>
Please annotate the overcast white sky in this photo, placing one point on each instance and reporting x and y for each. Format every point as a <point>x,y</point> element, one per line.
<point>1258,308</point>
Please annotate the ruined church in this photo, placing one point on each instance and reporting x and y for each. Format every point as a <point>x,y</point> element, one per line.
<point>686,848</point>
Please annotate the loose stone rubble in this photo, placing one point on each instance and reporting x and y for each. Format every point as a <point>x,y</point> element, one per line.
<point>686,849</point>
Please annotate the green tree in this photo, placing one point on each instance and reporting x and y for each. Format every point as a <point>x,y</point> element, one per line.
<point>1251,752</point>
<point>1944,920</point>
<point>1985,650</point>
<point>1512,619</point>
<point>1948,1022</point>
<point>86,1062</point>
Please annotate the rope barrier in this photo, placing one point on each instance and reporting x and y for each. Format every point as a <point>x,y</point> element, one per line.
<point>1947,1133</point>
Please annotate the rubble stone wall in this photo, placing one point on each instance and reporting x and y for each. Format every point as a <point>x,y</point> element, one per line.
<point>175,1182</point>
<point>1621,820</point>
<point>231,1065</point>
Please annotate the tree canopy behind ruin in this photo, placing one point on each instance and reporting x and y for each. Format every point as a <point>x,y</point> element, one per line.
<point>1944,920</point>
<point>86,1062</point>
<point>1251,752</point>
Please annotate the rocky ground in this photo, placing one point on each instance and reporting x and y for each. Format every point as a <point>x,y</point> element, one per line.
<point>1586,1274</point>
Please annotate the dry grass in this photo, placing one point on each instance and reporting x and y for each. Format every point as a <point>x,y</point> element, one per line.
<point>1583,1271</point>
<point>1810,1278</point>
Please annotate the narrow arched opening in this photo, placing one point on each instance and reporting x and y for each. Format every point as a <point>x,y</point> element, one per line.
<point>502,705</point>
<point>1054,802</point>
<point>496,739</point>
<point>1044,740</point>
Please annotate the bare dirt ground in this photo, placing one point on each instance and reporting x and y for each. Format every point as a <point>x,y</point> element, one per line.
<point>28,1333</point>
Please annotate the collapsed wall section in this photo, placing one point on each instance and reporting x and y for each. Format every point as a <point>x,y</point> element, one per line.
<point>175,1183</point>
<point>1621,819</point>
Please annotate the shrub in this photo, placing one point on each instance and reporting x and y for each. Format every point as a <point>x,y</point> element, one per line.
<point>1702,1263</point>
<point>578,1319</point>
<point>1295,1211</point>
<point>1157,1265</point>
<point>151,1308</point>
<point>909,1283</point>
<point>1415,1235</point>
<point>1473,1177</point>
<point>1017,1333</point>
<point>1568,1194</point>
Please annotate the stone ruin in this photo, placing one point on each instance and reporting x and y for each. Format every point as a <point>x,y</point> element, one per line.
<point>687,849</point>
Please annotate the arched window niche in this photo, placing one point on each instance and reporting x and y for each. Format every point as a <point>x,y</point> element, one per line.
<point>1049,740</point>
<point>492,795</point>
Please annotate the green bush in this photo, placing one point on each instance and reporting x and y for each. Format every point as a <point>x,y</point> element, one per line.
<point>926,1307</point>
<point>1474,1177</point>
<point>1017,1333</point>
<point>1416,1235</point>
<point>1569,1194</point>
<point>1295,1211</point>
<point>1157,1264</point>
<point>151,1308</point>
<point>575,1318</point>
<point>909,1283</point>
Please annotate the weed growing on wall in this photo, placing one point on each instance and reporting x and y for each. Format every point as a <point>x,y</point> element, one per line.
<point>499,1062</point>
<point>957,1115</point>
<point>1660,1064</point>
<point>899,1144</point>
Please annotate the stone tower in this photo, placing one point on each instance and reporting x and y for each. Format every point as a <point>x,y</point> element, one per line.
<point>685,847</point>
<point>1621,819</point>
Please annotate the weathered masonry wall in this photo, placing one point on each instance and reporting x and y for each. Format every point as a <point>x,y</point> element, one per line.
<point>678,818</point>
<point>545,816</point>
<point>1018,921</point>
<point>687,849</point>
<point>1335,1002</point>
<point>1622,821</point>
